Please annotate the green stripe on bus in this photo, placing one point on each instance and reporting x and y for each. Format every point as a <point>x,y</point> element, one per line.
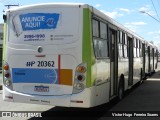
<point>4,46</point>
<point>4,42</point>
<point>87,49</point>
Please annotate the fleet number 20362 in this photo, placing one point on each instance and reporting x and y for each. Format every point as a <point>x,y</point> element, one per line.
<point>40,63</point>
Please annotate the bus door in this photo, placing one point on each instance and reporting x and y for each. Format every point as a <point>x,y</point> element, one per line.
<point>130,57</point>
<point>113,62</point>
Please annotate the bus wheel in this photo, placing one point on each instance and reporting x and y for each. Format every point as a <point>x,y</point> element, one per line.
<point>120,90</point>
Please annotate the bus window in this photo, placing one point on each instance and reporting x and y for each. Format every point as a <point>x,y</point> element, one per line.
<point>123,42</point>
<point>95,28</point>
<point>101,44</point>
<point>125,39</point>
<point>120,40</point>
<point>100,48</point>
<point>125,45</point>
<point>120,51</point>
<point>103,30</point>
<point>134,48</point>
<point>137,47</point>
<point>140,49</point>
<point>125,51</point>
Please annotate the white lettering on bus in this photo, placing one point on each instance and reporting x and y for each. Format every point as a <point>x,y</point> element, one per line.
<point>32,24</point>
<point>33,19</point>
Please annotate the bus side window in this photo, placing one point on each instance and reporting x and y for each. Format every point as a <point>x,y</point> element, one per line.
<point>137,48</point>
<point>101,44</point>
<point>120,44</point>
<point>140,48</point>
<point>124,44</point>
<point>103,30</point>
<point>134,48</point>
<point>95,28</point>
<point>100,48</point>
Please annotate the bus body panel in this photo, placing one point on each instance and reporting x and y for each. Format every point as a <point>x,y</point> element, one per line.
<point>63,100</point>
<point>43,57</point>
<point>87,96</point>
<point>102,82</point>
<point>29,70</point>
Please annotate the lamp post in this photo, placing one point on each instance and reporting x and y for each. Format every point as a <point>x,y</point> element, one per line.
<point>149,15</point>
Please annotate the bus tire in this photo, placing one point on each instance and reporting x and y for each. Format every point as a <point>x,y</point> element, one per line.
<point>120,90</point>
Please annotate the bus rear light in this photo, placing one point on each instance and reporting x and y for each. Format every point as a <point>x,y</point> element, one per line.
<point>6,75</point>
<point>76,101</point>
<point>79,86</point>
<point>79,101</point>
<point>9,97</point>
<point>81,69</point>
<point>7,83</point>
<point>80,77</point>
<point>6,67</point>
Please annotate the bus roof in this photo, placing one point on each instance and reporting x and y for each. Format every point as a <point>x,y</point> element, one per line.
<point>47,4</point>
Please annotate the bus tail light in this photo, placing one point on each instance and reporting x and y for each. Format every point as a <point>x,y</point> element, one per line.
<point>79,86</point>
<point>80,78</point>
<point>76,101</point>
<point>81,69</point>
<point>6,76</point>
<point>9,97</point>
<point>6,67</point>
<point>7,83</point>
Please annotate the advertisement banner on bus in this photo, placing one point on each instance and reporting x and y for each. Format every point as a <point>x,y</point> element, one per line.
<point>37,21</point>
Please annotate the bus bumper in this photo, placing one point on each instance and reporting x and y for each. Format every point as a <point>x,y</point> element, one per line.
<point>82,99</point>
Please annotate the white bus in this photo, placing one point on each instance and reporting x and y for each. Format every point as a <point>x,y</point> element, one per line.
<point>69,55</point>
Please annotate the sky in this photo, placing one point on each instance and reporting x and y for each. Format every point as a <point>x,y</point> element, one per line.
<point>126,12</point>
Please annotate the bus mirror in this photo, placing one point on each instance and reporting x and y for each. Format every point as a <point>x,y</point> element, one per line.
<point>4,17</point>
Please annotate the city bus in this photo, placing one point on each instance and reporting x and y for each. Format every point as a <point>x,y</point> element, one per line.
<point>70,55</point>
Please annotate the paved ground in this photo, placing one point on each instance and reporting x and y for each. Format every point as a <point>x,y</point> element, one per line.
<point>10,106</point>
<point>145,97</point>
